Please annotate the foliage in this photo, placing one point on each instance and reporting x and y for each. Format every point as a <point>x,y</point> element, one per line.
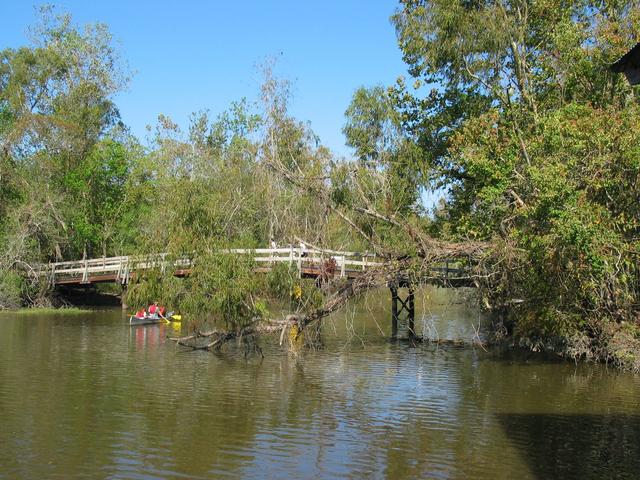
<point>389,164</point>
<point>64,158</point>
<point>225,287</point>
<point>221,288</point>
<point>37,311</point>
<point>536,142</point>
<point>281,280</point>
<point>307,296</point>
<point>11,288</point>
<point>569,214</point>
<point>520,58</point>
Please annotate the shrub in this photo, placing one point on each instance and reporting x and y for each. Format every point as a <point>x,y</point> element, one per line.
<point>11,288</point>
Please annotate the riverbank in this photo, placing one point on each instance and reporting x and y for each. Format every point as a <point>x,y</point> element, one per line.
<point>38,311</point>
<point>615,344</point>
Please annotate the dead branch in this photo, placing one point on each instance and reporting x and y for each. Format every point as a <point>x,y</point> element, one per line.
<point>219,337</point>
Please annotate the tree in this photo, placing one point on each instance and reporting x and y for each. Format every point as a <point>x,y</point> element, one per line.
<point>518,57</point>
<point>56,114</point>
<point>530,132</point>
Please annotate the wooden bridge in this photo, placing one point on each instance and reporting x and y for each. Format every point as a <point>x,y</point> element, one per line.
<point>313,263</point>
<point>307,262</point>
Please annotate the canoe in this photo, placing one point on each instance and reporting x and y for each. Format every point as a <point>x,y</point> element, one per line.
<point>133,320</point>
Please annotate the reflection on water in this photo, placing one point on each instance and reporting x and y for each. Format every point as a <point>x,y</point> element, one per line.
<point>148,336</point>
<point>92,397</point>
<point>577,446</point>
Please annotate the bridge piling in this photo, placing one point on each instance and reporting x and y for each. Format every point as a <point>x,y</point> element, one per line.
<point>403,310</point>
<point>394,312</point>
<point>123,297</point>
<point>85,273</point>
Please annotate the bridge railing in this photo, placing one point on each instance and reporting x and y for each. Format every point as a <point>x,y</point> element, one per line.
<point>121,267</point>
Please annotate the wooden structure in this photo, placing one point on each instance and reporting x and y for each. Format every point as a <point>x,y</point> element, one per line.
<point>629,64</point>
<point>308,262</point>
<point>403,310</point>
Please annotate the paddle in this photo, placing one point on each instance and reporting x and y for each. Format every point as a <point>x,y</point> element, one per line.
<point>163,317</point>
<point>172,317</point>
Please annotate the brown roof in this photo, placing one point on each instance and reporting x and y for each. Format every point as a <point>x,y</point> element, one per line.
<point>629,59</point>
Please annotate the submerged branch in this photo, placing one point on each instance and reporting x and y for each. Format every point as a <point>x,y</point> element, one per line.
<point>216,337</point>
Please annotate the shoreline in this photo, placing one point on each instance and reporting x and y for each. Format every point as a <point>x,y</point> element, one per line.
<point>45,310</point>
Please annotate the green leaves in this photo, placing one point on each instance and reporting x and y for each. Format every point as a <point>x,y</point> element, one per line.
<point>537,143</point>
<point>372,127</point>
<point>12,287</point>
<point>56,113</point>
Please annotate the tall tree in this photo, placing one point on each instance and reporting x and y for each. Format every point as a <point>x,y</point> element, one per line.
<point>531,133</point>
<point>57,112</point>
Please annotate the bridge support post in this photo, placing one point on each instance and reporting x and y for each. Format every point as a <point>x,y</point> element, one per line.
<point>85,273</point>
<point>411,313</point>
<point>123,297</point>
<point>403,310</point>
<point>394,312</point>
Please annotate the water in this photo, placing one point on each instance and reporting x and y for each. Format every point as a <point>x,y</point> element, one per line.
<point>90,397</point>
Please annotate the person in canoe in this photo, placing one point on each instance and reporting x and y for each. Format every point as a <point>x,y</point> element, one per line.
<point>153,309</point>
<point>142,317</point>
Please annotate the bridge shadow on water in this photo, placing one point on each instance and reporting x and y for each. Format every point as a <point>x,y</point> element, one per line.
<point>577,446</point>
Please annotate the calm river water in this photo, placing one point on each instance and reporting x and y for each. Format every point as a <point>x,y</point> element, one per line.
<point>89,397</point>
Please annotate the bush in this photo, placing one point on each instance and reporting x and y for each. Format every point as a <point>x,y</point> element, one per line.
<point>11,288</point>
<point>281,279</point>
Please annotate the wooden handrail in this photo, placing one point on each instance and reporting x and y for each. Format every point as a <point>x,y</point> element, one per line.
<point>122,266</point>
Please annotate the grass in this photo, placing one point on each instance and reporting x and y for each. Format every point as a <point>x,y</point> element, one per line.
<point>46,310</point>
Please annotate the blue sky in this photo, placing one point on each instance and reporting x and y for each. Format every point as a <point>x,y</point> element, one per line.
<point>194,55</point>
